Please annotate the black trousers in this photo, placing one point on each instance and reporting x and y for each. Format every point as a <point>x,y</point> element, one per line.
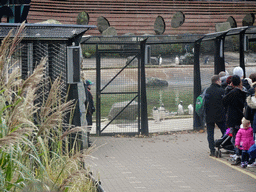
<point>89,119</point>
<point>210,133</point>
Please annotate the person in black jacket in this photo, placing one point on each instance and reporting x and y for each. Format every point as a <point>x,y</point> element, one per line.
<point>89,104</point>
<point>234,102</point>
<point>214,110</point>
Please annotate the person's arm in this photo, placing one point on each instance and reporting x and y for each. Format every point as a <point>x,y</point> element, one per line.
<point>226,100</point>
<point>93,108</point>
<point>238,139</point>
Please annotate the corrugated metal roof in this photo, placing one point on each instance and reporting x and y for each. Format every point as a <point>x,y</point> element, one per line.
<point>45,31</point>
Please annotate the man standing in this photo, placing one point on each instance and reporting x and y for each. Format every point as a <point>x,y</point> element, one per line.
<point>89,105</point>
<point>214,110</point>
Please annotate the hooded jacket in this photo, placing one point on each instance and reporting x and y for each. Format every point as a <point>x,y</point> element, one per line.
<point>234,103</point>
<point>244,138</point>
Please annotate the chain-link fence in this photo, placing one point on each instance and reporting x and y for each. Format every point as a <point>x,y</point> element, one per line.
<point>169,72</point>
<point>169,77</point>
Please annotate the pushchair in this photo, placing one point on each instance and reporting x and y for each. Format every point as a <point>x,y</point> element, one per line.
<point>224,143</point>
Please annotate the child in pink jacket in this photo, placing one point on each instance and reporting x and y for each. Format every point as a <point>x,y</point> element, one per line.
<point>244,140</point>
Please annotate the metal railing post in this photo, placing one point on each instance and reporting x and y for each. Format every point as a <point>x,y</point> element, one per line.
<point>144,113</point>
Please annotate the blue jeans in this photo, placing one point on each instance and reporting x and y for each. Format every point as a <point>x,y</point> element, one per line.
<point>210,133</point>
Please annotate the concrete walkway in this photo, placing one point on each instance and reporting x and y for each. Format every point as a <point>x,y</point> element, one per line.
<point>166,125</point>
<point>175,161</point>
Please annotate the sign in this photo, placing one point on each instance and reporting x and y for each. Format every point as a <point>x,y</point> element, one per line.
<point>16,11</point>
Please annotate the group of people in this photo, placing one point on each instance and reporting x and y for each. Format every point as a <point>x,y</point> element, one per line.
<point>230,102</point>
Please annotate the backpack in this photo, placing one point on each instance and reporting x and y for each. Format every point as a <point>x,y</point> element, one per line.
<point>200,101</point>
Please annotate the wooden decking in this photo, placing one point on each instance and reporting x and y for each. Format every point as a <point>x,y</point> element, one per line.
<point>138,16</point>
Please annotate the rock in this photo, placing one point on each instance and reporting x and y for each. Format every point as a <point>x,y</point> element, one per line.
<point>130,112</point>
<point>50,21</point>
<point>248,20</point>
<point>102,24</point>
<point>177,19</point>
<point>110,31</point>
<point>222,26</point>
<point>159,25</point>
<point>154,61</point>
<point>156,82</point>
<point>188,58</point>
<point>232,22</point>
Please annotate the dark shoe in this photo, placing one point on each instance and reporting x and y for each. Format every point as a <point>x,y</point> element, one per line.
<point>212,153</point>
<point>243,165</point>
<point>237,161</point>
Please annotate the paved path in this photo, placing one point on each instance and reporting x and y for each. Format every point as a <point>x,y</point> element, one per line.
<point>176,162</point>
<point>166,125</point>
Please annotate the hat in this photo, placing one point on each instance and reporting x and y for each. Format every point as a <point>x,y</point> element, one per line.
<point>88,82</point>
<point>222,74</point>
<point>245,123</point>
<point>238,71</point>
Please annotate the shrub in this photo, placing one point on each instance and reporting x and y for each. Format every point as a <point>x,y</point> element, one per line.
<point>35,156</point>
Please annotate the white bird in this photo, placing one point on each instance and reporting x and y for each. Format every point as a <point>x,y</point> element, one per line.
<point>190,109</point>
<point>160,59</point>
<point>180,109</point>
<point>245,60</point>
<point>177,60</point>
<point>206,60</point>
<point>162,112</point>
<point>156,114</point>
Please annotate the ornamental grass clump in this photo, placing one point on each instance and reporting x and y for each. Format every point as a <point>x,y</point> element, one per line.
<point>34,151</point>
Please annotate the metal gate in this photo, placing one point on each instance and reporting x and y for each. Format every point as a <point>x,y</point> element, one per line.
<point>114,93</point>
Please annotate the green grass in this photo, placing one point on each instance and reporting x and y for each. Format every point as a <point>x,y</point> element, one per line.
<point>170,97</point>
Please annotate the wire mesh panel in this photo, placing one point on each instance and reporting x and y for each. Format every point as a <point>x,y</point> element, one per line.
<point>30,53</point>
<point>170,71</point>
<point>169,76</point>
<point>58,64</point>
<point>119,86</point>
<point>231,58</point>
<point>207,62</point>
<point>119,91</point>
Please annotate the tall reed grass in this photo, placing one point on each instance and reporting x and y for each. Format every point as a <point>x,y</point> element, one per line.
<point>34,152</point>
